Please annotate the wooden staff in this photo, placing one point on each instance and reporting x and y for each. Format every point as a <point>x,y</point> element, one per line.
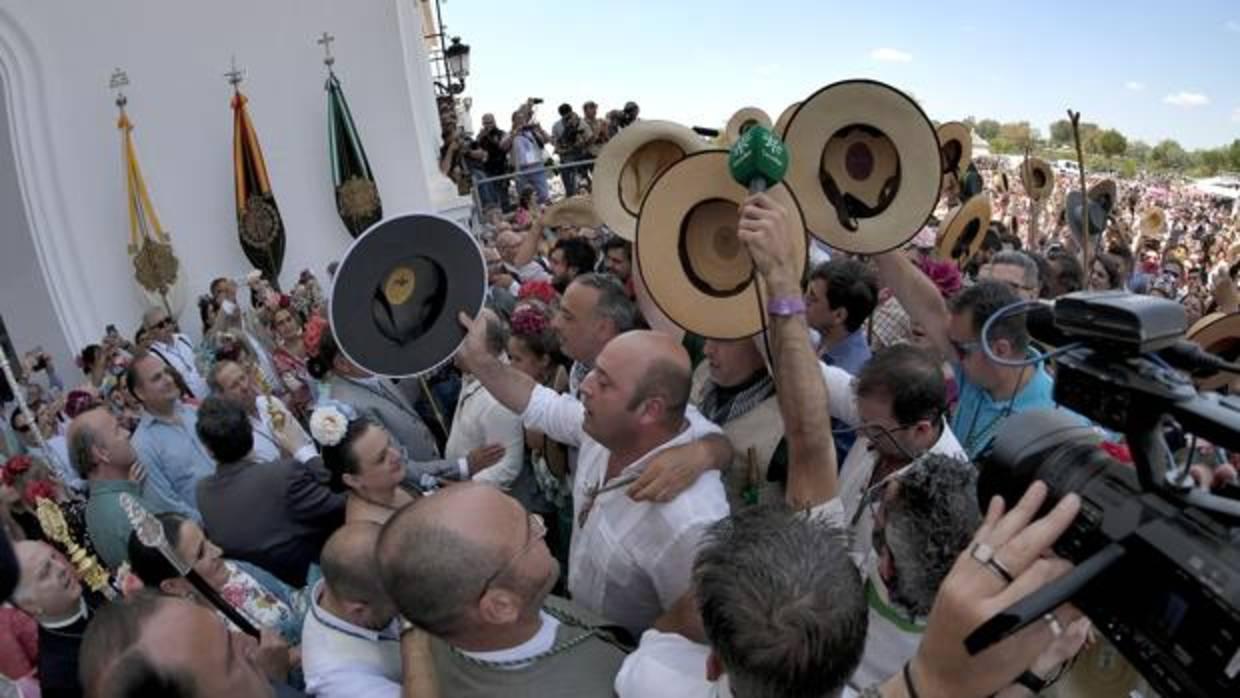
<point>1075,118</point>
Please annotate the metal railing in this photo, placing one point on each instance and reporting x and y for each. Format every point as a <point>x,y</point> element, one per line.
<point>488,192</point>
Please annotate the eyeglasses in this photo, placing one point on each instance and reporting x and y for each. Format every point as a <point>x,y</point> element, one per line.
<point>536,532</point>
<point>963,349</point>
<point>873,431</point>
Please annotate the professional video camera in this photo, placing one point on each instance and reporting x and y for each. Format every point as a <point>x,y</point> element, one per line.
<point>1157,561</point>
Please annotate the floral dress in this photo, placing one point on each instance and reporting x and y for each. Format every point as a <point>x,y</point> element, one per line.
<point>266,601</point>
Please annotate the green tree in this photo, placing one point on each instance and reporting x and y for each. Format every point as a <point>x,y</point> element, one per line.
<point>1111,143</point>
<point>1139,150</point>
<point>1169,155</point>
<point>1211,161</point>
<point>988,128</point>
<point>1018,133</point>
<point>1233,155</point>
<point>1061,132</point>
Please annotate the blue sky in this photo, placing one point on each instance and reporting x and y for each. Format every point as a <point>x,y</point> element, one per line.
<point>1151,69</point>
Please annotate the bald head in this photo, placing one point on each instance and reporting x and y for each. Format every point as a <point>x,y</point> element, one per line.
<point>662,367</point>
<point>455,547</point>
<point>443,548</point>
<point>350,563</point>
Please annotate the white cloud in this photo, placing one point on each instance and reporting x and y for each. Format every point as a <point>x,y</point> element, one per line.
<point>891,55</point>
<point>1134,85</point>
<point>1232,25</point>
<point>1187,99</point>
<point>1235,115</point>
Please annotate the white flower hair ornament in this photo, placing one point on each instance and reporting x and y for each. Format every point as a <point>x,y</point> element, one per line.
<point>328,425</point>
<point>253,276</point>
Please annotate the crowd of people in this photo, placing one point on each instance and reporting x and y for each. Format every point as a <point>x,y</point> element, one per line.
<point>502,165</point>
<point>579,504</point>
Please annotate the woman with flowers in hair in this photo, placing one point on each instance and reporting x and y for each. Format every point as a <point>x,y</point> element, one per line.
<point>534,350</point>
<point>363,461</point>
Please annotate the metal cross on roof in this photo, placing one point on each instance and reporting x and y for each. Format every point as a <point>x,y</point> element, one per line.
<point>326,42</point>
<point>118,81</point>
<point>236,75</point>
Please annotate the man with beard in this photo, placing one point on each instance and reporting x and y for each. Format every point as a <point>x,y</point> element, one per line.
<point>470,567</point>
<point>570,258</point>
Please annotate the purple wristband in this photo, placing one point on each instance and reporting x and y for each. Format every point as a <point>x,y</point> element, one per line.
<point>786,307</point>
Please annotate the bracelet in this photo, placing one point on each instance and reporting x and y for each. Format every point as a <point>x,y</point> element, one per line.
<point>786,306</point>
<point>908,681</point>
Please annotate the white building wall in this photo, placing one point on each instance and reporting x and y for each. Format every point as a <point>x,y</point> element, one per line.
<point>56,57</point>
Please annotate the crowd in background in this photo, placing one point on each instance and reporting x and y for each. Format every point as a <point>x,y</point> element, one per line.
<point>628,528</point>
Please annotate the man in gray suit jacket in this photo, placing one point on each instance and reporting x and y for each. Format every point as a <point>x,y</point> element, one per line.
<point>276,515</point>
<point>379,400</point>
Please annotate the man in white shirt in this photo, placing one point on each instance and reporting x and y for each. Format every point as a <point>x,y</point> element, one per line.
<point>782,611</point>
<point>629,561</point>
<point>898,404</point>
<point>231,380</point>
<point>482,423</point>
<point>175,349</point>
<point>350,642</point>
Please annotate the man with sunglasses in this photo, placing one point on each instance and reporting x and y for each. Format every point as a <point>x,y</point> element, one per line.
<point>175,349</point>
<point>989,391</point>
<point>470,567</point>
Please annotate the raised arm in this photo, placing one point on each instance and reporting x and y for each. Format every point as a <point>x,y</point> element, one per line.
<point>812,468</point>
<point>919,296</point>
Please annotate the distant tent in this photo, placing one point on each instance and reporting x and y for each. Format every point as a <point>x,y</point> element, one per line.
<point>980,146</point>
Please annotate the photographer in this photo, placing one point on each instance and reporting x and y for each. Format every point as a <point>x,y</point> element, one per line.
<point>599,128</point>
<point>572,137</point>
<point>525,143</point>
<point>617,120</point>
<point>491,141</point>
<point>451,163</point>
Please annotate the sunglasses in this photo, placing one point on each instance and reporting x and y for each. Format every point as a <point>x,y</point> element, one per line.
<point>166,322</point>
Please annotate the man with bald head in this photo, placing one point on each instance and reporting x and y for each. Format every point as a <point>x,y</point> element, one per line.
<point>100,450</point>
<point>470,567</point>
<point>629,561</point>
<point>350,642</point>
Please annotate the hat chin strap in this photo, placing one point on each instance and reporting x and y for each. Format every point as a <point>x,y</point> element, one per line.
<point>849,208</point>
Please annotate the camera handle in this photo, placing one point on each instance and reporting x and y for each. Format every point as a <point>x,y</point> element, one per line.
<point>1033,607</point>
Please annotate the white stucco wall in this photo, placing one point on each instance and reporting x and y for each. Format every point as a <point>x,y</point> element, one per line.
<point>56,57</point>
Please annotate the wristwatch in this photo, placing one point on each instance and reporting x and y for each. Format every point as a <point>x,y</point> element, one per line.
<point>786,306</point>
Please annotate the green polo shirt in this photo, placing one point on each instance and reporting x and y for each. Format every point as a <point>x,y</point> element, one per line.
<point>106,522</point>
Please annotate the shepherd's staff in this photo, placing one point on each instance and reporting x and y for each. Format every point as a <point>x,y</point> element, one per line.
<point>1075,118</point>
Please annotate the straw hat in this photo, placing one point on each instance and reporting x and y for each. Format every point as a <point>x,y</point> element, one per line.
<point>630,162</point>
<point>742,120</point>
<point>1038,178</point>
<point>955,147</point>
<point>1001,183</point>
<point>964,230</point>
<point>1106,194</point>
<point>577,211</point>
<point>398,290</point>
<point>781,124</point>
<point>864,164</point>
<point>1217,333</point>
<point>1152,222</point>
<point>695,268</point>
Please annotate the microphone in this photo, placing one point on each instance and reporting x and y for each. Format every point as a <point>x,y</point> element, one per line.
<point>758,159</point>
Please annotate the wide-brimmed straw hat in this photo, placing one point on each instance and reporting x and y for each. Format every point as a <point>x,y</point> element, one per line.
<point>630,162</point>
<point>742,120</point>
<point>955,147</point>
<point>865,165</point>
<point>964,230</point>
<point>696,269</point>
